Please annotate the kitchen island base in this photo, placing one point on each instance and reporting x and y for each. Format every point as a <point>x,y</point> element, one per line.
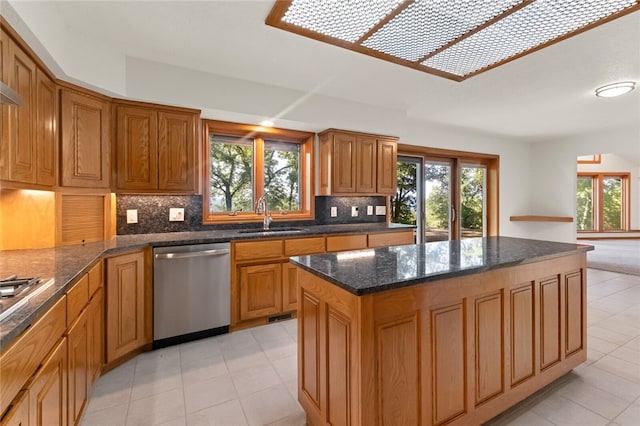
<point>454,351</point>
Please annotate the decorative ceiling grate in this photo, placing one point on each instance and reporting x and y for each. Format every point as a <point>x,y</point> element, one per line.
<point>456,39</point>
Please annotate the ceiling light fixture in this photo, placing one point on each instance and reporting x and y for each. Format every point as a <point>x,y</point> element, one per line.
<point>266,123</point>
<point>455,39</point>
<point>615,89</point>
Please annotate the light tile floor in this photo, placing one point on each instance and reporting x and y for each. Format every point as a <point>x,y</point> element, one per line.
<point>249,377</point>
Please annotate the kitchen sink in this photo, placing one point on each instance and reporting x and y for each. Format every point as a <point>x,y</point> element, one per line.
<point>269,231</point>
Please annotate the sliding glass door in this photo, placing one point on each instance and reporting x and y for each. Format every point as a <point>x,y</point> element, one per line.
<point>444,197</point>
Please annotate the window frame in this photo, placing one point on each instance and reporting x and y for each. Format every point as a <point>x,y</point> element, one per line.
<point>598,206</point>
<point>259,134</point>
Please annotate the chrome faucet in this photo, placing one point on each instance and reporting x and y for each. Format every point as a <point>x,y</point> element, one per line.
<point>262,208</point>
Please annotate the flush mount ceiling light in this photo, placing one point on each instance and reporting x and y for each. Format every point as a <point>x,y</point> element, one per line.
<point>455,39</point>
<point>266,123</point>
<point>615,89</point>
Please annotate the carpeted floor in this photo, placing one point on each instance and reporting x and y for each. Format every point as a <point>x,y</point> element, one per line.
<point>614,255</point>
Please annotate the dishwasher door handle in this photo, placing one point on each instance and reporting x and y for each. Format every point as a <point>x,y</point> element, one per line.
<point>217,252</point>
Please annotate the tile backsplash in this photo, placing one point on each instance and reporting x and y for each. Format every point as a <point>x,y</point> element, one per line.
<point>153,213</point>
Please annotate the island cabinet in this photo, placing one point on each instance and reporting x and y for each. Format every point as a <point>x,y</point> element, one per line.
<point>357,163</point>
<point>446,351</point>
<point>29,133</point>
<point>85,139</point>
<point>155,149</point>
<point>128,305</point>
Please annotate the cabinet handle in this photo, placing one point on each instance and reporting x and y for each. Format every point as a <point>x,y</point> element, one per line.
<point>453,214</point>
<point>191,254</point>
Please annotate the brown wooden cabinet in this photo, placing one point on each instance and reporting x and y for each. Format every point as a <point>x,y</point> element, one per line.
<point>46,129</point>
<point>386,239</point>
<point>85,144</point>
<point>289,287</point>
<point>136,148</point>
<point>155,149</point>
<point>19,125</point>
<point>18,414</point>
<point>387,161</point>
<point>29,132</point>
<point>127,326</point>
<point>48,391</point>
<point>95,325</point>
<point>357,163</point>
<point>452,351</point>
<point>263,283</point>
<point>78,367</point>
<point>260,290</point>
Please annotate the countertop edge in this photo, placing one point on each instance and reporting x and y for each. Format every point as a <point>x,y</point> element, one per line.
<point>125,243</point>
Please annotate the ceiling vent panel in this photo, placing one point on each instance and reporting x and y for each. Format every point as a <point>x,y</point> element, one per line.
<point>425,26</point>
<point>455,39</point>
<point>346,20</point>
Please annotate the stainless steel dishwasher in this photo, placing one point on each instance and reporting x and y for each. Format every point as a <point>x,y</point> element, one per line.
<point>191,292</point>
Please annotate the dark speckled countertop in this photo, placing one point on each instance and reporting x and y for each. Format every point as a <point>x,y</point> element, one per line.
<point>67,264</point>
<point>374,270</point>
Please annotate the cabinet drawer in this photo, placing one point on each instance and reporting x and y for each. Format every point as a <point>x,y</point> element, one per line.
<point>346,242</point>
<point>96,278</point>
<point>385,239</point>
<point>77,299</point>
<point>302,246</point>
<point>270,249</point>
<point>20,361</point>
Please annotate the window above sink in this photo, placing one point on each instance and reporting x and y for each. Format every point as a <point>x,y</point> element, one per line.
<point>245,162</point>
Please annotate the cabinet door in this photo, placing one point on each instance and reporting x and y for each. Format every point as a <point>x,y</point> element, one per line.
<point>137,148</point>
<point>260,290</point>
<point>366,152</point>
<point>46,129</point>
<point>387,160</point>
<point>344,163</point>
<point>95,319</point>
<point>85,141</point>
<point>78,367</point>
<point>48,391</point>
<point>18,415</point>
<point>125,305</point>
<point>289,287</point>
<point>18,153</point>
<point>177,169</point>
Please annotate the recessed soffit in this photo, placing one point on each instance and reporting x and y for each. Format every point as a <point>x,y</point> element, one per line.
<point>455,39</point>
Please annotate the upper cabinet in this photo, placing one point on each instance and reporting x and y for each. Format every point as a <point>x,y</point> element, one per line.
<point>85,121</point>
<point>29,144</point>
<point>155,149</point>
<point>357,163</point>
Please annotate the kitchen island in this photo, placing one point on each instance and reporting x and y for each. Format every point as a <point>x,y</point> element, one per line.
<point>450,332</point>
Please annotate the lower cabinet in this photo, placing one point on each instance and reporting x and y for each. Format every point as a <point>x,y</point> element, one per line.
<point>78,367</point>
<point>48,391</point>
<point>127,327</point>
<point>260,290</point>
<point>289,287</point>
<point>18,415</point>
<point>95,326</point>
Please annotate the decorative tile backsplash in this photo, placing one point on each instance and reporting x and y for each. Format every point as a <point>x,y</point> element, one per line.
<point>153,213</point>
<point>344,207</point>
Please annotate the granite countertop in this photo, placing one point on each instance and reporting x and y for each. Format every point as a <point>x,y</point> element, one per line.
<point>65,265</point>
<point>362,272</point>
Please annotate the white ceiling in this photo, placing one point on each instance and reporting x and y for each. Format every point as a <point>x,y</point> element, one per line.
<point>547,94</point>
